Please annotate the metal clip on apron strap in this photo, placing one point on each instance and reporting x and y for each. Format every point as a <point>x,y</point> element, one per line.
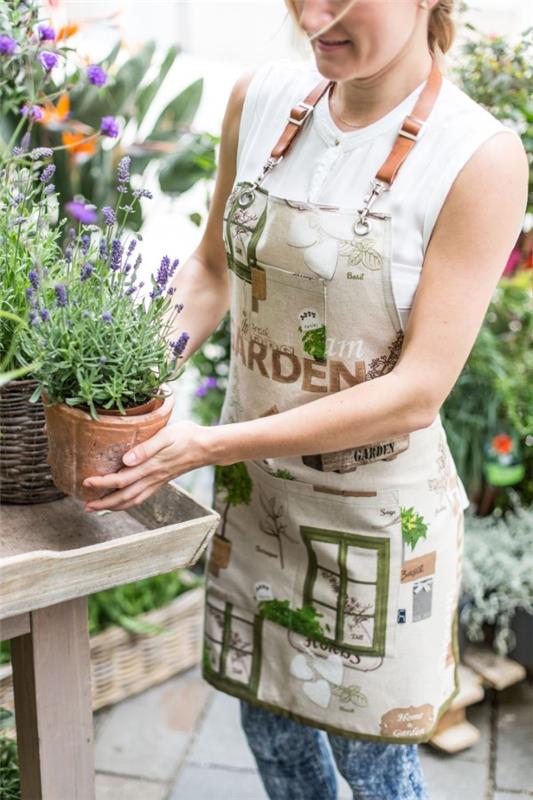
<point>405,141</point>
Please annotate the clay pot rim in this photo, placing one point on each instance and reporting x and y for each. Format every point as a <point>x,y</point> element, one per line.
<point>118,419</point>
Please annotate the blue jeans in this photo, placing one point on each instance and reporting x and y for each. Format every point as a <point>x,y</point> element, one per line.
<point>295,764</point>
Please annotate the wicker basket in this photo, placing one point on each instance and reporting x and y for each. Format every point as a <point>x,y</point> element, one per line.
<point>124,664</point>
<point>25,476</point>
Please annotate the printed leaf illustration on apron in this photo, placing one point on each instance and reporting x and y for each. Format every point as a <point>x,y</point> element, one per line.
<point>333,581</point>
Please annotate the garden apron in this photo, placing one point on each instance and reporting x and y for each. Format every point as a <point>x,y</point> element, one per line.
<point>333,578</point>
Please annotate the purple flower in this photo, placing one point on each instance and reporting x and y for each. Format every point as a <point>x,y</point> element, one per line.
<point>34,278</point>
<point>85,314</point>
<point>86,271</point>
<point>45,315</point>
<point>35,112</point>
<point>143,193</point>
<point>116,255</point>
<point>47,173</point>
<point>50,189</point>
<point>61,294</point>
<point>209,383</point>
<point>131,247</point>
<point>163,271</point>
<point>33,317</point>
<point>85,242</point>
<point>41,152</point>
<point>96,75</point>
<point>123,169</point>
<point>81,211</point>
<point>30,295</point>
<point>109,215</point>
<point>48,60</point>
<point>130,290</point>
<point>109,127</point>
<point>46,33</point>
<point>178,346</point>
<point>107,316</point>
<point>7,45</point>
<point>102,249</point>
<point>102,360</point>
<point>179,308</point>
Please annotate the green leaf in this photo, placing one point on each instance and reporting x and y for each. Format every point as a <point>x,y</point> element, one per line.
<point>180,170</point>
<point>181,110</point>
<point>147,94</point>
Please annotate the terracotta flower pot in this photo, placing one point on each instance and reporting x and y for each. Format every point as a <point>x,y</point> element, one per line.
<point>79,446</point>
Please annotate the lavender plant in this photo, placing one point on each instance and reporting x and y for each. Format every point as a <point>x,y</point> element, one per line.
<point>28,234</point>
<point>99,340</point>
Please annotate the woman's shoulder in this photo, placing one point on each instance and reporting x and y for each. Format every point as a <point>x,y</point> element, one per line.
<point>281,81</point>
<point>458,113</point>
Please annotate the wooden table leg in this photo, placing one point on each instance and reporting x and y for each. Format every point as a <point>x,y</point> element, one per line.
<point>53,706</point>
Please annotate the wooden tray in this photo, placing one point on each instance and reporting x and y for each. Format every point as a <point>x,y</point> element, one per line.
<point>54,551</point>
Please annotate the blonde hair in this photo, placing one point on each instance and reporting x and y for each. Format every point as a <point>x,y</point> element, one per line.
<point>441,26</point>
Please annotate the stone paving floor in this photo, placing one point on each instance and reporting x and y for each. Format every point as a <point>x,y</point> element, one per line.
<point>182,740</point>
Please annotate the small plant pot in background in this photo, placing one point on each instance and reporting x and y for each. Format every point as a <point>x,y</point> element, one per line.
<point>80,446</point>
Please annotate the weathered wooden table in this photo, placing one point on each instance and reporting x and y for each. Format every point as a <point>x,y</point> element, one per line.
<point>52,556</point>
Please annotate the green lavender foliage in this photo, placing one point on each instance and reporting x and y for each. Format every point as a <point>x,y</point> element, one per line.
<point>498,572</point>
<point>28,235</point>
<point>102,343</point>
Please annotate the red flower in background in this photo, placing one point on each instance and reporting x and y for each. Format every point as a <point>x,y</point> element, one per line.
<point>502,443</point>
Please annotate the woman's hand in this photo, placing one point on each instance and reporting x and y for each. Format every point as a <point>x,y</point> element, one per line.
<point>174,450</point>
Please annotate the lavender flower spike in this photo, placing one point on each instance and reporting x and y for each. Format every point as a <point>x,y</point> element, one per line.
<point>109,127</point>
<point>178,346</point>
<point>34,278</point>
<point>116,255</point>
<point>61,294</point>
<point>47,173</point>
<point>107,316</point>
<point>123,169</point>
<point>109,215</point>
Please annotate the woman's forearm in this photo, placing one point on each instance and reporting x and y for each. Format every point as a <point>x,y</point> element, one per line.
<point>204,292</point>
<point>370,411</point>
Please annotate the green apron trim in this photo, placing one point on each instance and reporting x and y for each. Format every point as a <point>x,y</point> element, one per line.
<point>240,692</point>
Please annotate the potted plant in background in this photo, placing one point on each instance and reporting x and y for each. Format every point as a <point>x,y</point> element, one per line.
<point>497,601</point>
<point>104,349</point>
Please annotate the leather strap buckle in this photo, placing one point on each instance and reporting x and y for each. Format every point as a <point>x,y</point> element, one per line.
<point>414,127</point>
<point>307,108</point>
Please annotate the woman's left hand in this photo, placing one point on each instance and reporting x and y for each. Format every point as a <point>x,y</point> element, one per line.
<point>174,450</point>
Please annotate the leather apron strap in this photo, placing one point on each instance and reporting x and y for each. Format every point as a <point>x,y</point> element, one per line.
<point>407,135</point>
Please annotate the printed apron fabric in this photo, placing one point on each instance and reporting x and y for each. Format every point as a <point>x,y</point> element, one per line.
<point>333,579</point>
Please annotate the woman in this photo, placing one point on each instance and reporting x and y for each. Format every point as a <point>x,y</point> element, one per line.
<point>334,576</point>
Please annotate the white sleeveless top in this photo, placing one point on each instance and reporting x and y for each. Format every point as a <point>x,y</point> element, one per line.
<point>331,166</point>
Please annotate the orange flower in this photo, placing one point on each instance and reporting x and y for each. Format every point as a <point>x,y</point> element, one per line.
<point>502,443</point>
<point>76,143</point>
<point>66,31</point>
<point>54,116</point>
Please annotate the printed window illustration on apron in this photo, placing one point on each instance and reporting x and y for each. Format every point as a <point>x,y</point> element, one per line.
<point>333,578</point>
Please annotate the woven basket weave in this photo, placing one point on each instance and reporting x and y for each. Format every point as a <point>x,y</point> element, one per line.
<point>25,476</point>
<point>124,663</point>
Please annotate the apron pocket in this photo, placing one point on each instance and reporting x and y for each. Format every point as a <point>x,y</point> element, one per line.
<point>350,566</point>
